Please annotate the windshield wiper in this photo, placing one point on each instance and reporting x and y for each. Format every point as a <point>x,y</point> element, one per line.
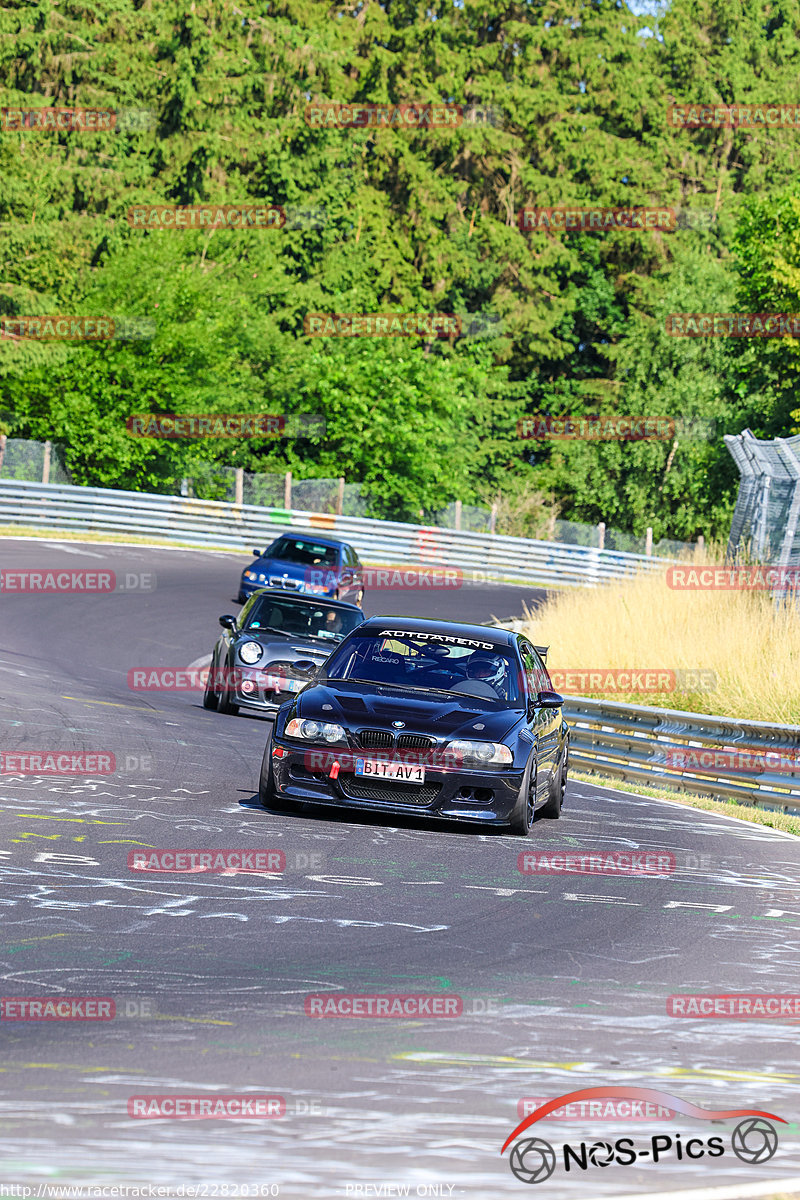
<point>266,629</point>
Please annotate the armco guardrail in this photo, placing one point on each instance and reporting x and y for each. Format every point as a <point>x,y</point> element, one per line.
<point>216,524</point>
<point>750,761</point>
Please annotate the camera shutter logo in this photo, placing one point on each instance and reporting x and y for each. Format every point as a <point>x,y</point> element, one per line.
<point>754,1140</point>
<point>533,1161</point>
<point>601,1154</point>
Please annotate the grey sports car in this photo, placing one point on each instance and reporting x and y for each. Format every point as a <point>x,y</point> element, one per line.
<point>273,648</point>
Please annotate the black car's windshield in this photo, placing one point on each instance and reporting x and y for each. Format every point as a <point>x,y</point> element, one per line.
<point>303,551</point>
<point>275,614</point>
<point>404,660</point>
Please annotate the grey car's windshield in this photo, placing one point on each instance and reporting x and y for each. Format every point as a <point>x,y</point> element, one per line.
<point>401,660</point>
<point>275,614</point>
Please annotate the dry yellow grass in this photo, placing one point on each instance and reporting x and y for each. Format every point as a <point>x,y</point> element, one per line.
<point>751,645</point>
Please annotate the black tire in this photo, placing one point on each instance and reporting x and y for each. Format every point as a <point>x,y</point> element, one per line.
<point>210,698</point>
<point>225,703</point>
<point>241,598</point>
<point>522,816</point>
<point>558,785</point>
<point>268,794</point>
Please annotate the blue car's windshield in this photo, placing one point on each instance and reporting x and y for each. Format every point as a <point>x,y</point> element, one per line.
<point>303,551</point>
<point>408,661</point>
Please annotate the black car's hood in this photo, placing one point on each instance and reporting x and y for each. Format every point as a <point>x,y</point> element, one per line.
<point>372,706</point>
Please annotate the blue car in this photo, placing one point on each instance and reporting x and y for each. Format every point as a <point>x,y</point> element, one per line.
<point>308,565</point>
<point>423,716</point>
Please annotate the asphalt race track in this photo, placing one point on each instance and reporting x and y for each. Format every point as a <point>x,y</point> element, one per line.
<point>563,980</point>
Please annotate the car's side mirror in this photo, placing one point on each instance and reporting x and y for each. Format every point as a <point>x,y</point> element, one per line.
<point>305,666</point>
<point>549,700</point>
<point>257,554</point>
<point>227,621</point>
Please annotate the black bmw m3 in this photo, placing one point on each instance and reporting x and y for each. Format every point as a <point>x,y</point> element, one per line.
<point>417,715</point>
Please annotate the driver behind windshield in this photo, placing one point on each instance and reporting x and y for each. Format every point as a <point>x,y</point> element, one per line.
<point>485,677</point>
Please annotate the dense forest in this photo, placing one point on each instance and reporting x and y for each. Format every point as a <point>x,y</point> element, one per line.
<point>558,102</point>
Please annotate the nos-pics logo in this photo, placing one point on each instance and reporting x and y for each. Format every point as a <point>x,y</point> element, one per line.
<point>533,1160</point>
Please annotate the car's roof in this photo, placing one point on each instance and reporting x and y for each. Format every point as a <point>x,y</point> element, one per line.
<point>486,633</point>
<point>281,594</point>
<point>302,536</point>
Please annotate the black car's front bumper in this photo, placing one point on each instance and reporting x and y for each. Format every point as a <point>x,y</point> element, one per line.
<point>451,793</point>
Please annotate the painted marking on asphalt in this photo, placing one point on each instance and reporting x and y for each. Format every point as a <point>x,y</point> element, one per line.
<point>111,704</point>
<point>503,891</point>
<point>708,907</point>
<point>76,820</point>
<point>527,1064</point>
<point>587,898</point>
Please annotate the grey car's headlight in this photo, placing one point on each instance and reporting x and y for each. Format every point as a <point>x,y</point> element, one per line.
<point>250,652</point>
<point>479,754</point>
<point>316,731</point>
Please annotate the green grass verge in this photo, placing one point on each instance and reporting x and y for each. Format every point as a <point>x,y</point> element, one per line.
<point>726,808</point>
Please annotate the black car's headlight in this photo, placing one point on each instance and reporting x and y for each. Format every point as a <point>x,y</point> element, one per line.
<point>316,731</point>
<point>479,754</point>
<point>250,652</point>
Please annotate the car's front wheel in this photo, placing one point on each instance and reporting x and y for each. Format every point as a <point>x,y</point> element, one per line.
<point>558,785</point>
<point>226,703</point>
<point>210,698</point>
<point>522,816</point>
